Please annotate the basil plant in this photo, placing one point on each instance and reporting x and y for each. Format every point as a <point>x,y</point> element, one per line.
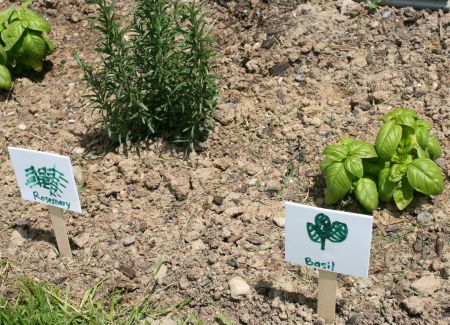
<point>400,163</point>
<point>23,44</point>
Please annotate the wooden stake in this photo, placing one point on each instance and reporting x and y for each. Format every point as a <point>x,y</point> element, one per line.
<point>326,302</point>
<point>59,227</point>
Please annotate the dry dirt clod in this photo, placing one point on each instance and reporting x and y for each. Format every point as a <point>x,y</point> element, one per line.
<point>239,289</point>
<point>129,240</point>
<point>152,180</point>
<point>128,271</point>
<point>413,305</point>
<point>179,186</point>
<point>426,285</point>
<point>280,221</point>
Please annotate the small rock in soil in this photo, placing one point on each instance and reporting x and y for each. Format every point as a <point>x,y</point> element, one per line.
<point>279,69</point>
<point>162,273</point>
<point>439,247</point>
<point>413,305</point>
<point>81,240</point>
<point>350,8</point>
<point>234,212</point>
<point>128,271</point>
<point>279,221</point>
<point>178,186</point>
<point>78,175</point>
<point>152,180</point>
<point>21,222</point>
<point>18,236</point>
<point>78,151</point>
<point>386,15</point>
<point>255,240</point>
<point>239,289</point>
<point>129,240</point>
<point>424,217</point>
<point>218,200</point>
<point>22,127</point>
<point>426,285</point>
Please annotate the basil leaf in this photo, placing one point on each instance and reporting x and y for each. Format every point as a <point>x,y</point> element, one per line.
<point>367,194</point>
<point>4,17</point>
<point>326,162</point>
<point>50,45</point>
<point>407,121</point>
<point>336,152</point>
<point>403,195</point>
<point>422,137</point>
<point>421,153</point>
<point>345,141</point>
<point>425,176</point>
<point>397,171</point>
<point>34,21</point>
<point>399,114</point>
<point>354,166</point>
<point>434,148</point>
<point>5,78</point>
<point>385,186</point>
<point>338,182</point>
<point>362,149</point>
<point>34,50</point>
<point>3,56</point>
<point>12,34</point>
<point>388,139</point>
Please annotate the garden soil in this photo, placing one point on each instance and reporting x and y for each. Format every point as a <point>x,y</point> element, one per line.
<point>295,76</point>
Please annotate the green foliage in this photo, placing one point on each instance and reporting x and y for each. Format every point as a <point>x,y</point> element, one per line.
<point>23,44</point>
<point>160,81</point>
<point>373,4</point>
<point>323,229</point>
<point>400,163</point>
<point>37,303</point>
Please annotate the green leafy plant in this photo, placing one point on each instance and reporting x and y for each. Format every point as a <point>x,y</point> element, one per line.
<point>23,43</point>
<point>344,171</point>
<point>374,4</point>
<point>323,229</point>
<point>160,81</point>
<point>405,149</point>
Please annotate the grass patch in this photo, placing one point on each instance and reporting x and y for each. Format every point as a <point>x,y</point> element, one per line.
<point>40,304</point>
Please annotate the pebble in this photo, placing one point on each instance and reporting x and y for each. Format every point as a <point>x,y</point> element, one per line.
<point>413,305</point>
<point>22,127</point>
<point>21,222</point>
<point>426,285</point>
<point>350,8</point>
<point>178,186</point>
<point>18,236</point>
<point>128,271</point>
<point>152,181</point>
<point>386,15</point>
<point>255,240</point>
<point>424,217</point>
<point>129,240</point>
<point>300,79</point>
<point>82,239</point>
<point>78,175</point>
<point>239,289</point>
<point>279,221</point>
<point>162,272</point>
<point>78,151</point>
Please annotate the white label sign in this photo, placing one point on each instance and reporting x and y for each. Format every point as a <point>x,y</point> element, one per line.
<point>330,240</point>
<point>45,178</point>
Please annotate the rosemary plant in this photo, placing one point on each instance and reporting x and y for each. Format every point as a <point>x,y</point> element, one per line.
<point>156,74</point>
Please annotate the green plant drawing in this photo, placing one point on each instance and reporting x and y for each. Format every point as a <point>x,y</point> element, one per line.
<point>48,178</point>
<point>323,229</point>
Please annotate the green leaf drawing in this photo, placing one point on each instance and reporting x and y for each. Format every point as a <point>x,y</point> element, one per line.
<point>323,229</point>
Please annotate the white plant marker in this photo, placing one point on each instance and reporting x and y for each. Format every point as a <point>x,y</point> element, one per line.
<point>48,178</point>
<point>330,241</point>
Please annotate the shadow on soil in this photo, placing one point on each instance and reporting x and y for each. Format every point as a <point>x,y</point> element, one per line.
<point>37,234</point>
<point>266,289</point>
<point>97,142</point>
